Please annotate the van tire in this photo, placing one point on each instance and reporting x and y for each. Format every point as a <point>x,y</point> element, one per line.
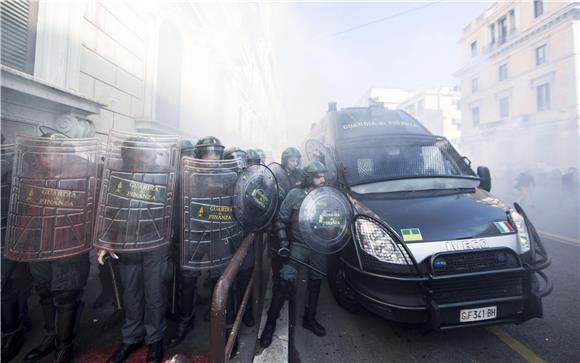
<point>342,293</point>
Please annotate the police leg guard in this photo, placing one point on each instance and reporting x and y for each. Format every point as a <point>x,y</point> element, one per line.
<point>187,296</point>
<point>47,345</point>
<point>309,320</point>
<point>243,280</point>
<point>279,293</point>
<point>12,329</point>
<point>68,311</point>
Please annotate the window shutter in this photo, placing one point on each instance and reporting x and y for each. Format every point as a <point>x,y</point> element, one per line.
<point>18,34</point>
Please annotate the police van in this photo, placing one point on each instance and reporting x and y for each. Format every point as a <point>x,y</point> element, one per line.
<point>428,242</point>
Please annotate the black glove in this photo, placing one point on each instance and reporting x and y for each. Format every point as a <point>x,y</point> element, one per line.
<point>284,251</point>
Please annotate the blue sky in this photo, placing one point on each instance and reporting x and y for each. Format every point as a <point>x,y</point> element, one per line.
<point>313,65</point>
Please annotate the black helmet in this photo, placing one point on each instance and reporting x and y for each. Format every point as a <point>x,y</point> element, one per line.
<point>209,145</point>
<point>290,152</point>
<point>234,152</point>
<point>252,157</point>
<point>262,155</point>
<point>312,169</point>
<point>135,155</point>
<point>186,148</point>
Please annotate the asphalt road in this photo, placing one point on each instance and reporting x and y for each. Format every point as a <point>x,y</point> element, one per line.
<point>368,338</point>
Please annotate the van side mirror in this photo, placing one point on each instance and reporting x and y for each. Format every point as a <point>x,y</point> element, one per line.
<point>485,178</point>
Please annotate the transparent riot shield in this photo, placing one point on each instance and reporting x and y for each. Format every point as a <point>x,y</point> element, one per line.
<point>137,192</point>
<point>7,160</point>
<point>255,197</point>
<point>51,210</point>
<point>317,151</point>
<point>210,234</point>
<point>284,184</point>
<point>324,218</point>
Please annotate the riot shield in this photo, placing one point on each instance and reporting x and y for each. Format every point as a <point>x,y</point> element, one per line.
<point>284,184</point>
<point>317,151</point>
<point>7,160</point>
<point>137,192</point>
<point>210,234</point>
<point>255,197</point>
<point>51,210</point>
<point>324,219</point>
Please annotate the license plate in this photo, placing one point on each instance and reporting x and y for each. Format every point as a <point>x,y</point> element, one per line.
<point>486,313</point>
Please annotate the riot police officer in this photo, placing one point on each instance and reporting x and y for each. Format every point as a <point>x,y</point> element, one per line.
<point>15,275</point>
<point>291,163</point>
<point>59,281</point>
<point>206,148</point>
<point>313,177</point>
<point>236,153</point>
<point>144,272</point>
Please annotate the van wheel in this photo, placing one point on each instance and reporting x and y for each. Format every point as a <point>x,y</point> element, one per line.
<point>342,293</point>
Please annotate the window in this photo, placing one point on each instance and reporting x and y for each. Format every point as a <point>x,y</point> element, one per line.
<point>538,8</point>
<point>474,48</point>
<point>541,54</point>
<point>504,107</point>
<point>503,72</point>
<point>474,85</point>
<point>19,34</point>
<point>475,115</point>
<point>492,34</point>
<point>543,97</point>
<point>512,21</point>
<point>502,30</point>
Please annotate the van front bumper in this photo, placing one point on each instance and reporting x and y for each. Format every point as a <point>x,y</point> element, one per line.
<point>437,300</point>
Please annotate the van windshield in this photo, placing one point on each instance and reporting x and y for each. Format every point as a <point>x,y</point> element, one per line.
<point>410,163</point>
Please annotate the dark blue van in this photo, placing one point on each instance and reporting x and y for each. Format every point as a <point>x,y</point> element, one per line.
<point>429,243</point>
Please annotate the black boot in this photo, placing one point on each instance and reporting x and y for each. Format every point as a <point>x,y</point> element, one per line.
<point>67,319</point>
<point>47,345</point>
<point>106,296</point>
<point>186,311</point>
<point>280,290</point>
<point>155,354</point>
<point>12,330</point>
<point>308,321</point>
<point>184,326</point>
<point>123,352</point>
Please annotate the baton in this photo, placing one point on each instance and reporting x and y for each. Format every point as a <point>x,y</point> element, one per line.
<point>118,313</point>
<point>301,263</point>
<point>114,282</point>
<point>174,290</point>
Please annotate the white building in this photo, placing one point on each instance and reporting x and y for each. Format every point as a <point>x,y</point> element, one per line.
<point>160,67</point>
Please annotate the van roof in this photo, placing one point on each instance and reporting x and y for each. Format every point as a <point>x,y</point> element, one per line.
<point>374,121</point>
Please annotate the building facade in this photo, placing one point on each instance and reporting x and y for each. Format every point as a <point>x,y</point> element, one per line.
<point>158,67</point>
<point>438,110</point>
<point>520,86</point>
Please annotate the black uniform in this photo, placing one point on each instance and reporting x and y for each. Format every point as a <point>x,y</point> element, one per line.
<point>15,276</point>
<point>293,243</point>
<point>60,281</point>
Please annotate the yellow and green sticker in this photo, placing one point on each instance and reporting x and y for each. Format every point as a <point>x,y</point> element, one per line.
<point>411,234</point>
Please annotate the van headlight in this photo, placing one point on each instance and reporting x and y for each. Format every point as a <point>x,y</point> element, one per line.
<point>522,231</point>
<point>377,242</point>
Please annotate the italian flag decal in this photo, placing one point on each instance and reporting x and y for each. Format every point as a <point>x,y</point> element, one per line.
<point>411,234</point>
<point>504,227</point>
